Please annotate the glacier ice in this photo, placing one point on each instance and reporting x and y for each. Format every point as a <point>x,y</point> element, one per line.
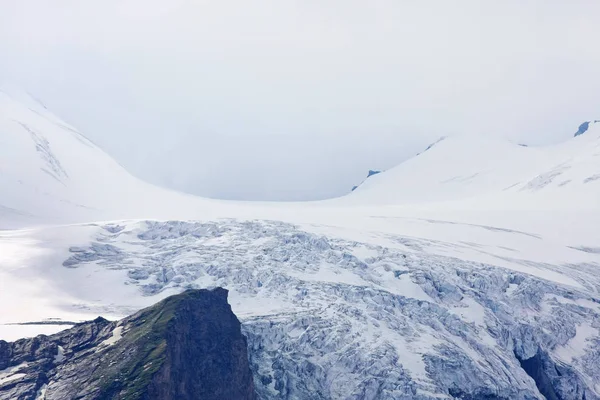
<point>332,318</point>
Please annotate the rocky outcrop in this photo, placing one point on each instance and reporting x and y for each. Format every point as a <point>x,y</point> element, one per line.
<point>584,127</point>
<point>369,174</point>
<point>188,346</point>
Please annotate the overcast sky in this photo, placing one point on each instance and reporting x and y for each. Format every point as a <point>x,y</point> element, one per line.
<point>289,100</point>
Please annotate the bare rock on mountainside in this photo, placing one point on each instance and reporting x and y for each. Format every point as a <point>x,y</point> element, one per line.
<point>584,127</point>
<point>188,346</point>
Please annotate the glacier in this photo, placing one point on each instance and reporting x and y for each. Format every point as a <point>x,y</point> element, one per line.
<point>332,318</point>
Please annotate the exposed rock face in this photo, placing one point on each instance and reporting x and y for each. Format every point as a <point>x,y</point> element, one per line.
<point>584,127</point>
<point>369,174</point>
<point>188,346</point>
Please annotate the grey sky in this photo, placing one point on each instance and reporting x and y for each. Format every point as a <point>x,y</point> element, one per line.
<point>287,100</point>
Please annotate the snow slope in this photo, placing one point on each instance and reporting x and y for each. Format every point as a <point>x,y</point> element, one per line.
<point>51,173</point>
<point>436,279</point>
<point>493,170</point>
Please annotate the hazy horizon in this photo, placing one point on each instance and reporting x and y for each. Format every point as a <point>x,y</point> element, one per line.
<point>298,100</point>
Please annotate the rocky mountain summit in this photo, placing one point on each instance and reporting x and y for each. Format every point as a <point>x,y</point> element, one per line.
<point>188,346</point>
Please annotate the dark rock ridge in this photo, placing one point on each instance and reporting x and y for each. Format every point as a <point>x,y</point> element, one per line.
<point>188,346</point>
<point>369,174</point>
<point>432,144</point>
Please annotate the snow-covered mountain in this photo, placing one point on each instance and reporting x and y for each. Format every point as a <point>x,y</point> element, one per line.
<point>493,170</point>
<point>51,173</point>
<point>49,170</point>
<point>467,272</point>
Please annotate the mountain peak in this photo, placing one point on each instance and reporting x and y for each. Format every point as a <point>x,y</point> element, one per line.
<point>465,167</point>
<point>49,171</point>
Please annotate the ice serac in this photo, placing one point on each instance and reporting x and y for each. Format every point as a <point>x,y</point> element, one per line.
<point>331,318</point>
<point>188,346</point>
